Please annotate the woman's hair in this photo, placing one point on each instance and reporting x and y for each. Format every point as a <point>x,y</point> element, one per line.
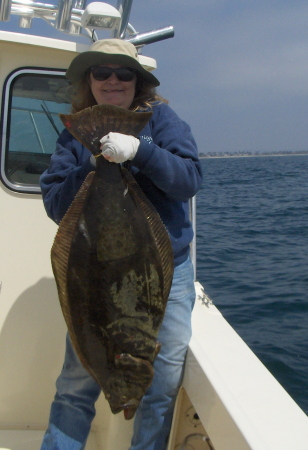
<point>145,95</point>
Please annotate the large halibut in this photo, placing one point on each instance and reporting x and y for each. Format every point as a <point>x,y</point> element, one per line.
<point>113,264</point>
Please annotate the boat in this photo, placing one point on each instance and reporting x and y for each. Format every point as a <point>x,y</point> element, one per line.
<point>228,399</point>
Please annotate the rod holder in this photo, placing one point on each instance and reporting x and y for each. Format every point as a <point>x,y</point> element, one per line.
<point>152,36</point>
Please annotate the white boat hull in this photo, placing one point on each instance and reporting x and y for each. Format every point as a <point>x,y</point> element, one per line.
<point>239,405</point>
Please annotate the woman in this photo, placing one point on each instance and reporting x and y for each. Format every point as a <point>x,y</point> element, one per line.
<point>164,161</point>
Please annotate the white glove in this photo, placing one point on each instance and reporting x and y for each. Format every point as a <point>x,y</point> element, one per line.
<point>118,148</point>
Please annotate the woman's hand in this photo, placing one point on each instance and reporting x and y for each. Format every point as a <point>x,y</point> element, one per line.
<point>118,148</point>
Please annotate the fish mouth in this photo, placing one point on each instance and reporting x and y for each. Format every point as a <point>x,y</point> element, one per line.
<point>132,403</point>
<point>129,413</point>
<point>129,408</point>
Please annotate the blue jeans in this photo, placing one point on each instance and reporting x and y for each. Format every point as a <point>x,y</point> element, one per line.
<point>72,410</point>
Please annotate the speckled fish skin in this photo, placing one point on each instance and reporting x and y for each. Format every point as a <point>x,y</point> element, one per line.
<point>113,264</point>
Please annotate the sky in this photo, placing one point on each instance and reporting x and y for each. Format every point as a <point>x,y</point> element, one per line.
<point>236,70</point>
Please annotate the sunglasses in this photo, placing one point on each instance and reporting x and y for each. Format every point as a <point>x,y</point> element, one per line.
<point>102,73</point>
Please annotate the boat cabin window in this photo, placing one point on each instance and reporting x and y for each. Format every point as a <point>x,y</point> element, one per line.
<point>31,102</point>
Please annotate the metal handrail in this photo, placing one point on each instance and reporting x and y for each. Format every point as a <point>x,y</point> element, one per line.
<point>66,17</point>
<point>124,7</point>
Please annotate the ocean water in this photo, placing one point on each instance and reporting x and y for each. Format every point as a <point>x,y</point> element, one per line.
<point>252,257</point>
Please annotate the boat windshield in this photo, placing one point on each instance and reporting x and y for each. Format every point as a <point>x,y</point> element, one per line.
<point>31,125</point>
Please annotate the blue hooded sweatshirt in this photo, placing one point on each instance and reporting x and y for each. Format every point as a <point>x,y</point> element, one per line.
<point>166,167</point>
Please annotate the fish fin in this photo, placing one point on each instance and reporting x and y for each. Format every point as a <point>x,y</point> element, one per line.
<point>60,253</point>
<point>89,125</point>
<point>158,230</point>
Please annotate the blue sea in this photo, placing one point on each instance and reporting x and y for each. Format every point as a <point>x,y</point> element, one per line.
<point>252,257</point>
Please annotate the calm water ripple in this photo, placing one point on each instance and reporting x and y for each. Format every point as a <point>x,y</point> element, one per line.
<point>252,241</point>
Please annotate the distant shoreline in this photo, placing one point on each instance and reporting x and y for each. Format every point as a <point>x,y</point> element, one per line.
<point>252,156</point>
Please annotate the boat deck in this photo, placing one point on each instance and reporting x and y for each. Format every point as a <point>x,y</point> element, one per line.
<point>31,440</point>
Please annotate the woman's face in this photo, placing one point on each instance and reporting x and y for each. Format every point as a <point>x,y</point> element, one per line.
<point>113,91</point>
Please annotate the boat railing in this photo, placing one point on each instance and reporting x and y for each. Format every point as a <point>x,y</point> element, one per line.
<point>73,17</point>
